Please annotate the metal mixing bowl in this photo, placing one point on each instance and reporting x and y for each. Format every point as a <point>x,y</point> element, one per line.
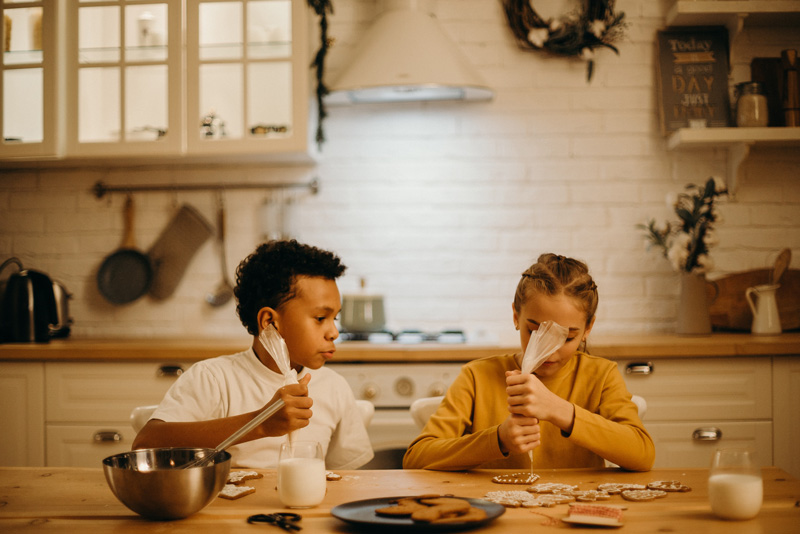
<point>151,482</point>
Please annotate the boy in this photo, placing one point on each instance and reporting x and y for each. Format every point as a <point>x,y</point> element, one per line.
<point>292,286</point>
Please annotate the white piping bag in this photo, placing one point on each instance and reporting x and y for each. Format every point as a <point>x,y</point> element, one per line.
<point>273,343</point>
<point>550,337</point>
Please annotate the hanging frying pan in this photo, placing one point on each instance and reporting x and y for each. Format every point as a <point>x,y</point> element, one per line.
<point>126,274</point>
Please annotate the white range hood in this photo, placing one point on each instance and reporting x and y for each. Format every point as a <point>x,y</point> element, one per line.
<point>406,57</point>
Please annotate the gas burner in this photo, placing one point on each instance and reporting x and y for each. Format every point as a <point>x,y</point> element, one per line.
<point>406,336</point>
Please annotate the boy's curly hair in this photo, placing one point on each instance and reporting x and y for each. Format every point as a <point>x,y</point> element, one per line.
<point>266,277</point>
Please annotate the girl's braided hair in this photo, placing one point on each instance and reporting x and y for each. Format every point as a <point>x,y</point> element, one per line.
<point>552,275</point>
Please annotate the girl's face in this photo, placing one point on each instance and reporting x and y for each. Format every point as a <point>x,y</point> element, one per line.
<point>560,309</point>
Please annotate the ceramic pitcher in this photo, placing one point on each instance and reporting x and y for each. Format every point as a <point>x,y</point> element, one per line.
<point>764,306</point>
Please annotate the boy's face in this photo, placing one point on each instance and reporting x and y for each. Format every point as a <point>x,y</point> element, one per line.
<point>560,309</point>
<point>306,321</point>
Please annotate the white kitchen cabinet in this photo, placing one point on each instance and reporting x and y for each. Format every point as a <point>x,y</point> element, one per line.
<point>167,82</point>
<point>29,76</point>
<point>89,404</point>
<point>786,419</point>
<point>22,414</point>
<point>697,405</point>
<point>735,15</point>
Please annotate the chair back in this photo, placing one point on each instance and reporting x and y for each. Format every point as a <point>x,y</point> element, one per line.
<point>422,409</point>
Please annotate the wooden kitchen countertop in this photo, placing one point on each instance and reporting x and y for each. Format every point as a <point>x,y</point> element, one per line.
<point>615,347</point>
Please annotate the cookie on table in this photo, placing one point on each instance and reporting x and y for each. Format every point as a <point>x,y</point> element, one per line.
<point>515,478</point>
<point>590,495</point>
<point>230,491</point>
<point>615,488</point>
<point>669,485</point>
<point>331,476</point>
<point>237,477</point>
<point>643,495</point>
<point>552,487</point>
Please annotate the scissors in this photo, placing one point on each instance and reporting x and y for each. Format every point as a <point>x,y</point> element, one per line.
<point>285,520</point>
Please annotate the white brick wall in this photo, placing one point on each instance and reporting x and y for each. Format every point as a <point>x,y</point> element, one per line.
<point>441,206</point>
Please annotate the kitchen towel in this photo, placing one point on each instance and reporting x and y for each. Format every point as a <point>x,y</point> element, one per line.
<point>174,249</point>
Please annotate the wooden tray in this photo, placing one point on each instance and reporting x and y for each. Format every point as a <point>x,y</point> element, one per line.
<point>729,310</point>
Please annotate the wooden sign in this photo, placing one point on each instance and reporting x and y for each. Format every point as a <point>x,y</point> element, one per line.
<point>693,77</point>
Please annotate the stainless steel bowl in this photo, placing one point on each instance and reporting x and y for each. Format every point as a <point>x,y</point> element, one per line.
<point>151,482</point>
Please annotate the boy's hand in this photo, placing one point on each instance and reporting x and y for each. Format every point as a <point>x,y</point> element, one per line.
<point>519,434</point>
<point>295,414</point>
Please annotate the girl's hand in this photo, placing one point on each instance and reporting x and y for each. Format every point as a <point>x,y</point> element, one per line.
<point>519,434</point>
<point>528,397</point>
<point>295,414</point>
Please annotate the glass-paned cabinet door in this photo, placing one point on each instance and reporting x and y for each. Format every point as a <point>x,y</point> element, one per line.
<point>247,70</point>
<point>28,79</point>
<point>124,77</point>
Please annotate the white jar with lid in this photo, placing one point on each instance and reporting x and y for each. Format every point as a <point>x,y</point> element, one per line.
<point>751,105</point>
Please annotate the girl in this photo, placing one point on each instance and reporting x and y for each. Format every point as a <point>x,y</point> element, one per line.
<point>573,411</point>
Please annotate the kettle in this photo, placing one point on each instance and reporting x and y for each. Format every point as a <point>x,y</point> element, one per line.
<point>33,308</point>
<point>363,313</point>
<point>764,306</point>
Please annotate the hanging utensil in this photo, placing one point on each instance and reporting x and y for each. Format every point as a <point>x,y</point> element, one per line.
<point>224,291</point>
<point>781,264</point>
<point>126,274</point>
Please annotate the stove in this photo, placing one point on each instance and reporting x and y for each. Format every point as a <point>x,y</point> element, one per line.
<point>393,386</point>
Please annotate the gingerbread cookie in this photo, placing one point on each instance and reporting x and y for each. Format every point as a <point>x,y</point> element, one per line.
<point>401,508</point>
<point>590,495</point>
<point>643,495</point>
<point>237,477</point>
<point>552,487</point>
<point>229,491</point>
<point>615,488</point>
<point>668,485</point>
<point>440,507</point>
<point>516,478</point>
<point>524,499</point>
<point>434,509</point>
<point>331,476</point>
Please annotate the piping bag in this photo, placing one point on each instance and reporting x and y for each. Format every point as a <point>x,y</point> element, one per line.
<point>273,343</point>
<point>543,342</point>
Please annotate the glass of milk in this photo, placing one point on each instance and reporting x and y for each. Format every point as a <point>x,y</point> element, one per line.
<point>735,486</point>
<point>301,474</point>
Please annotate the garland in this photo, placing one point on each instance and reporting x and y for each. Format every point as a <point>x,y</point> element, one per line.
<point>321,8</point>
<point>576,34</point>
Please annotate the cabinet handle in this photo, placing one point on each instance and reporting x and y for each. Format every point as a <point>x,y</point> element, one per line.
<point>170,371</point>
<point>639,368</point>
<point>707,434</point>
<point>108,436</point>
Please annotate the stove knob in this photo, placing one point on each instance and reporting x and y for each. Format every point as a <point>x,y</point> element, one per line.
<point>369,392</point>
<point>437,390</point>
<point>404,387</point>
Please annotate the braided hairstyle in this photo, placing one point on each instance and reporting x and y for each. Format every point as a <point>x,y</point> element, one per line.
<point>266,278</point>
<point>553,275</point>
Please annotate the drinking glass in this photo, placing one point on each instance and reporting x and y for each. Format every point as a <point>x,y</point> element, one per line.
<point>301,474</point>
<point>735,486</point>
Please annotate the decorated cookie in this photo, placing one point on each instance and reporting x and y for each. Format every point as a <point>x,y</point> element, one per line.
<point>516,478</point>
<point>668,485</point>
<point>230,491</point>
<point>590,495</point>
<point>643,495</point>
<point>552,487</point>
<point>237,477</point>
<point>331,476</point>
<point>615,488</point>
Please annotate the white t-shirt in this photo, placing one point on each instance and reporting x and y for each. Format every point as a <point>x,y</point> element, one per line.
<point>240,383</point>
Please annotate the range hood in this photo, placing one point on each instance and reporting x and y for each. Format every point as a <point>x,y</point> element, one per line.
<point>406,57</point>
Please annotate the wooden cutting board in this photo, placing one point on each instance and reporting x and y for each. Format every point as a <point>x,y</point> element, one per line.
<point>729,309</point>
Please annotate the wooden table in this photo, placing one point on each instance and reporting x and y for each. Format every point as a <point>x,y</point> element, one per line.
<point>35,499</point>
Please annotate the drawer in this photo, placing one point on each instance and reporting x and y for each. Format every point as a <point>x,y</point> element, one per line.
<point>703,388</point>
<point>86,445</point>
<point>99,392</point>
<point>677,446</point>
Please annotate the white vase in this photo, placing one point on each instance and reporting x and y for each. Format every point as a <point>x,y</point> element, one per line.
<point>693,317</point>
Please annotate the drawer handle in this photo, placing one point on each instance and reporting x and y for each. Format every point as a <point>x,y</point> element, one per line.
<point>170,371</point>
<point>640,368</point>
<point>707,434</point>
<point>108,436</point>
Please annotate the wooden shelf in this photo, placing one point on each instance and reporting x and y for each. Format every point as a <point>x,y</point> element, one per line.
<point>737,141</point>
<point>734,13</point>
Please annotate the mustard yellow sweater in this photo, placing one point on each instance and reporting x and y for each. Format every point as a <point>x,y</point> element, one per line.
<point>462,434</point>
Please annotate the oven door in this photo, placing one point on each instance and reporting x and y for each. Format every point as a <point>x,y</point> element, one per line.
<point>390,432</point>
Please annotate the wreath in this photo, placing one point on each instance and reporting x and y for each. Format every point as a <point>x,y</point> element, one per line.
<point>576,34</point>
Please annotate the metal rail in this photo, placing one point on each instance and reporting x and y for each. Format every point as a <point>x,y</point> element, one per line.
<point>101,189</point>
